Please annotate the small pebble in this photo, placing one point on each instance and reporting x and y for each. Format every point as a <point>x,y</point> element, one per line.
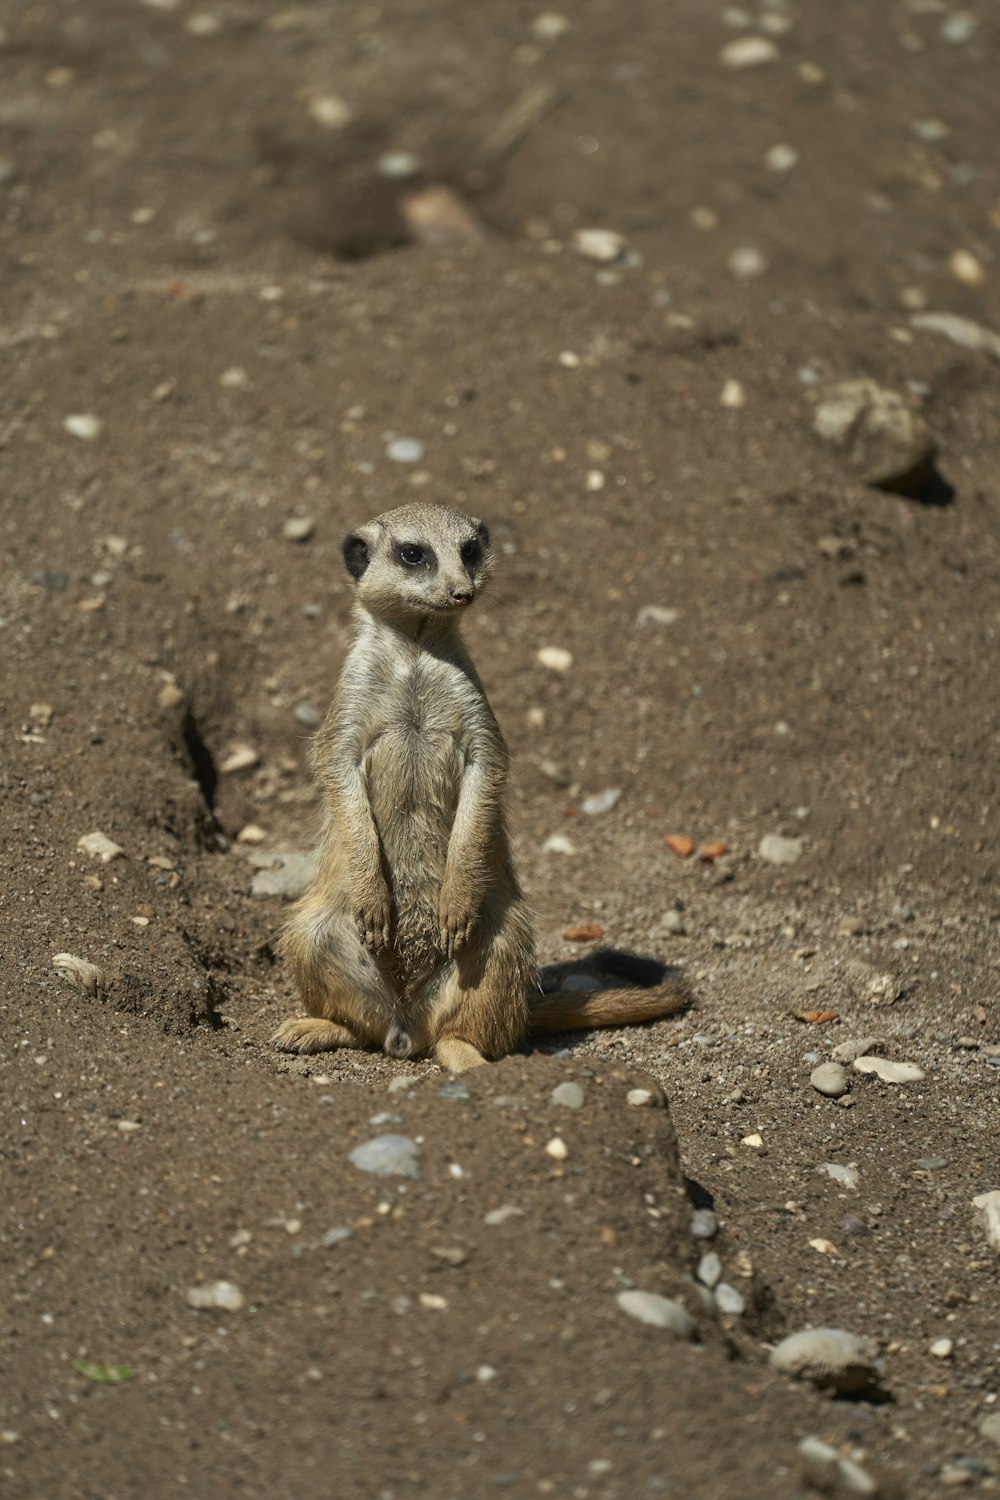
<point>217,1294</point>
<point>989,1428</point>
<point>404,450</point>
<point>779,851</point>
<point>557,1148</point>
<point>942,1348</point>
<point>601,802</point>
<point>330,111</point>
<point>298,528</point>
<point>673,922</point>
<point>703,1224</point>
<point>748,52</point>
<point>829,1358</point>
<point>754,1141</point>
<point>746,262</point>
<point>401,1082</point>
<point>965,267</point>
<point>388,1156</point>
<point>99,846</point>
<point>888,1071</point>
<point>604,245</point>
<point>987,1206</point>
<point>846,1176</point>
<point>569,1095</point>
<point>251,833</point>
<point>729,1301</point>
<point>235,378</point>
<point>931,1163</point>
<point>457,1093</point>
<point>658,1312</point>
<point>640,1098</point>
<point>84,425</point>
<point>338,1236</point>
<point>239,758</point>
<point>710,1270</point>
<point>308,715</point>
<point>733,395</point>
<point>656,614</point>
<point>558,843</point>
<point>865,1046</point>
<point>555,658</point>
<point>829,1079</point>
<point>501,1215</point>
<point>398,166</point>
<point>286,877</point>
<point>781,158</point>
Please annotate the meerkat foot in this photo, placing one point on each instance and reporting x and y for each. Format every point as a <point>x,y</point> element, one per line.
<point>456,1056</point>
<point>308,1034</point>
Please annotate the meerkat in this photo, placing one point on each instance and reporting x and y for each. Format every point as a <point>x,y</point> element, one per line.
<point>414,936</point>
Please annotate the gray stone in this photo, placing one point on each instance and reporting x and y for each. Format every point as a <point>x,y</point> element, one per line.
<point>865,1046</point>
<point>825,1469</point>
<point>388,1156</point>
<point>658,1312</point>
<point>288,878</point>
<point>989,1428</point>
<point>570,1095</point>
<point>883,441</point>
<point>405,450</point>
<point>704,1225</point>
<point>601,802</point>
<point>829,1358</point>
<point>729,1301</point>
<point>779,851</point>
<point>308,715</point>
<point>829,1079</point>
<point>961,331</point>
<point>846,1176</point>
<point>298,528</point>
<point>987,1206</point>
<point>710,1270</point>
<point>338,1236</point>
<point>673,922</point>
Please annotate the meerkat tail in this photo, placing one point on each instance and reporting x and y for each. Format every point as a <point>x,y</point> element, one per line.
<point>590,1011</point>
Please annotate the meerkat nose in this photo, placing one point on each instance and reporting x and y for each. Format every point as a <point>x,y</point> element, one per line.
<point>458,596</point>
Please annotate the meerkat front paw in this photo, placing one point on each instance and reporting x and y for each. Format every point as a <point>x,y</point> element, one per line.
<point>373,915</point>
<point>458,916</point>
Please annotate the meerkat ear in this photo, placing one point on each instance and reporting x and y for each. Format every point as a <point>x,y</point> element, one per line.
<point>356,555</point>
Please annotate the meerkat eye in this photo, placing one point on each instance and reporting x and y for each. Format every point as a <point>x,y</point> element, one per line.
<point>412,556</point>
<point>470,553</point>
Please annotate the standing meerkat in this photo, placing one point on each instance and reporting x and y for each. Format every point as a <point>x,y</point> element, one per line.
<point>414,936</point>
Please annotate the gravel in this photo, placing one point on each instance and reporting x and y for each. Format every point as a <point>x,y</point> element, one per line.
<point>829,1358</point>
<point>829,1079</point>
<point>658,1312</point>
<point>388,1156</point>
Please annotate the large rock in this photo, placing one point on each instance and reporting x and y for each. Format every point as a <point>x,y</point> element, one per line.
<point>883,441</point>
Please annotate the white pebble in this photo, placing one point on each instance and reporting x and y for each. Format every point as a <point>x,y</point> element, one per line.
<point>656,614</point>
<point>84,425</point>
<point>781,158</point>
<point>298,528</point>
<point>99,846</point>
<point>828,1357</point>
<point>217,1294</point>
<point>658,1312</point>
<point>729,1301</point>
<point>779,851</point>
<point>558,843</point>
<point>239,758</point>
<point>748,52</point>
<point>570,1095</point>
<point>601,802</point>
<point>605,245</point>
<point>235,378</point>
<point>501,1215</point>
<point>733,395</point>
<point>330,111</point>
<point>569,360</point>
<point>888,1071</point>
<point>556,658</point>
<point>397,165</point>
<point>557,1148</point>
<point>710,1270</point>
<point>965,267</point>
<point>987,1206</point>
<point>404,450</point>
<point>388,1156</point>
<point>754,1141</point>
<point>129,1127</point>
<point>942,1348</point>
<point>846,1176</point>
<point>746,262</point>
<point>549,25</point>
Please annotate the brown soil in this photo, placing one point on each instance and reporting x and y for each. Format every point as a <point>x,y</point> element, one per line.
<point>234,291</point>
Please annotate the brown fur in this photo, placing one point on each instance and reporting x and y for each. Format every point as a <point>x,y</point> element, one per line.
<point>414,936</point>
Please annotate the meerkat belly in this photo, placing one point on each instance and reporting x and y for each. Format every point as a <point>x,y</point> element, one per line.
<point>414,776</point>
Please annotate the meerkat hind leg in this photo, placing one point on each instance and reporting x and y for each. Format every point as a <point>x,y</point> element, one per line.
<point>308,1034</point>
<point>457,1056</point>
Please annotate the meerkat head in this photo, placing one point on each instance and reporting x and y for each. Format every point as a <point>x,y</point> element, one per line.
<point>419,560</point>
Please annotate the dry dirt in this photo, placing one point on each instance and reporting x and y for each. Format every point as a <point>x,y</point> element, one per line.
<point>200,250</point>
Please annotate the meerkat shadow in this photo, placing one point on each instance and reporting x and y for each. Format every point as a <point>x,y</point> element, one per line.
<point>607,968</point>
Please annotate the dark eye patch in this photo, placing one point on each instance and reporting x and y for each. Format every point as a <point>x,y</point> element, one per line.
<point>412,555</point>
<point>470,553</point>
